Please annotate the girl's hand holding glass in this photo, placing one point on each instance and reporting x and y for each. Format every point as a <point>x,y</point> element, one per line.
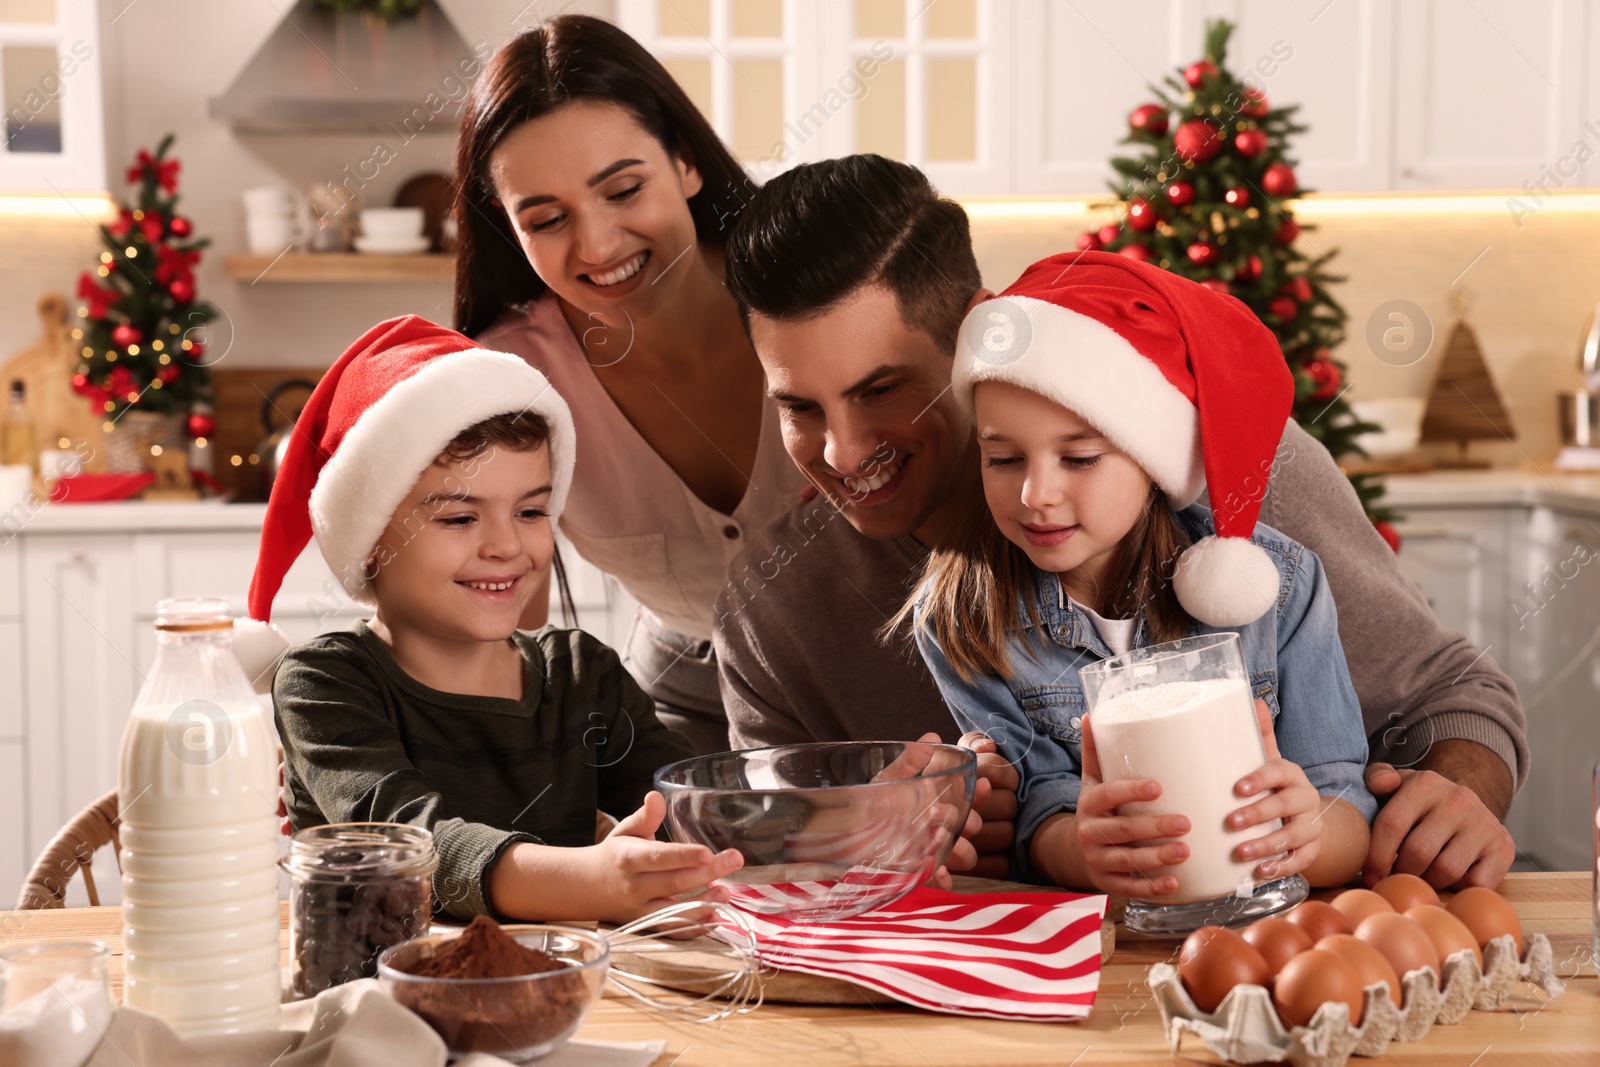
<point>1289,796</point>
<point>1107,841</point>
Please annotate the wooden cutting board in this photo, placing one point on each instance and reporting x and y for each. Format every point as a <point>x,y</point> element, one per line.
<point>692,966</point>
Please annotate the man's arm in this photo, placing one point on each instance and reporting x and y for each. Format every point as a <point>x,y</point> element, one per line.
<point>1434,706</point>
<point>1419,683</point>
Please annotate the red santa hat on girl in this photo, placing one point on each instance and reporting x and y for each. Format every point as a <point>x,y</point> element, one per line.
<point>378,418</point>
<point>1186,381</point>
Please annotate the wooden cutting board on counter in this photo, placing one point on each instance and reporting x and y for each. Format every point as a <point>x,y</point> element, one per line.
<point>694,966</point>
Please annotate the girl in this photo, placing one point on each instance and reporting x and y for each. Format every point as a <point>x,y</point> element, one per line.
<point>1107,394</point>
<point>593,206</point>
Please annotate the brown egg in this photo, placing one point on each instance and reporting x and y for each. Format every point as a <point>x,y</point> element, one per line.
<point>1317,919</point>
<point>1357,904</point>
<point>1487,914</point>
<point>1404,891</point>
<point>1368,962</point>
<point>1213,960</point>
<point>1278,940</point>
<point>1403,943</point>
<point>1450,935</point>
<point>1310,980</point>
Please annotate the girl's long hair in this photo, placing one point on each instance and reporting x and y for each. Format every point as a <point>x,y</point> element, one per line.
<point>978,585</point>
<point>569,57</point>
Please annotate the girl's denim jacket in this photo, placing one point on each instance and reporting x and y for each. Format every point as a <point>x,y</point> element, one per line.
<point>1293,655</point>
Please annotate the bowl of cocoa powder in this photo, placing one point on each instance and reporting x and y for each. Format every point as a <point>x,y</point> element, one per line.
<point>516,992</point>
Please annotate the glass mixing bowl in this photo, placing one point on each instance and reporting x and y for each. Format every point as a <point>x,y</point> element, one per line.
<point>827,830</point>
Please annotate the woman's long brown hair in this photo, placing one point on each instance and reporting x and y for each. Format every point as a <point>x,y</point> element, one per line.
<point>977,584</point>
<point>570,57</point>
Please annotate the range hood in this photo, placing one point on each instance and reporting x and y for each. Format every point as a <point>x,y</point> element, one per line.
<point>327,69</point>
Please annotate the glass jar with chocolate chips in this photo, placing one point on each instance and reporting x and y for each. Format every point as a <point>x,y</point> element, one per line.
<point>357,889</point>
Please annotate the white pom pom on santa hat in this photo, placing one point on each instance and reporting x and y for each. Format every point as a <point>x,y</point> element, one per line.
<point>1226,581</point>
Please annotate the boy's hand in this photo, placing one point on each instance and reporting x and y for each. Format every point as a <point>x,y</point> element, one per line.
<point>1105,838</point>
<point>1290,796</point>
<point>633,874</point>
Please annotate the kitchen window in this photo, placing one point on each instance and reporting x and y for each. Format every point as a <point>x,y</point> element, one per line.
<point>50,90</point>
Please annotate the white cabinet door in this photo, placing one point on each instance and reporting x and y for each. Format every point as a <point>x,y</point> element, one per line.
<point>1488,93</point>
<point>1080,69</point>
<point>1557,616</point>
<point>83,670</point>
<point>15,859</point>
<point>1336,61</point>
<point>1457,558</point>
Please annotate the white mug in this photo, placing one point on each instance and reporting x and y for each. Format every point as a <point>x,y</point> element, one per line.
<point>57,463</point>
<point>16,483</point>
<point>271,201</point>
<point>269,236</point>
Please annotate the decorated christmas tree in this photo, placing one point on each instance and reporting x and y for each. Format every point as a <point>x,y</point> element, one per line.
<point>142,322</point>
<point>1209,197</point>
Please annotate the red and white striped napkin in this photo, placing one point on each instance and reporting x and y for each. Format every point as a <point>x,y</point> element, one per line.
<point>1029,956</point>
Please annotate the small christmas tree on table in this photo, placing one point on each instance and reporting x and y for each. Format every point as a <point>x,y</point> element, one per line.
<point>1209,199</point>
<point>142,323</point>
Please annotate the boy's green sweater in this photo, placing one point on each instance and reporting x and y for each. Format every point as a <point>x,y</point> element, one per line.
<point>365,742</point>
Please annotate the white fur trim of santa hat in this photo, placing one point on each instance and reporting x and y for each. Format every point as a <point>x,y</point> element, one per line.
<point>395,440</point>
<point>1088,367</point>
<point>1226,581</point>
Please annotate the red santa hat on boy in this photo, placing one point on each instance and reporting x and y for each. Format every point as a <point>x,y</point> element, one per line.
<point>381,414</point>
<point>1186,381</point>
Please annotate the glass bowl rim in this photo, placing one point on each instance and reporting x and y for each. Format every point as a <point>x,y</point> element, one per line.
<point>592,938</point>
<point>77,951</point>
<point>969,762</point>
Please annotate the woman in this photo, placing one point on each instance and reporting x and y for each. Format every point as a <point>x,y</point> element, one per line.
<point>592,207</point>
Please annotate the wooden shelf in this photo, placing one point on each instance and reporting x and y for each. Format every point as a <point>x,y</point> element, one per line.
<point>340,267</point>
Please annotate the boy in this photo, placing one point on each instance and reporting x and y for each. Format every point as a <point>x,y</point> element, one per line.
<point>432,473</point>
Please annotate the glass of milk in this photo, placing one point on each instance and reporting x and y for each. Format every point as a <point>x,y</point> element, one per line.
<point>1182,713</point>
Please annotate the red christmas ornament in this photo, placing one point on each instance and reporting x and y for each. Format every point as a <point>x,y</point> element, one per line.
<point>1181,193</point>
<point>1287,232</point>
<point>1390,535</point>
<point>1137,251</point>
<point>196,350</point>
<point>1279,180</point>
<point>81,384</point>
<point>1142,214</point>
<point>1283,308</point>
<point>1197,141</point>
<point>1090,241</point>
<point>182,290</point>
<point>1299,288</point>
<point>1255,103</point>
<point>123,335</point>
<point>168,374</point>
<point>180,226</point>
<point>1109,232</point>
<point>1250,143</point>
<point>201,425</point>
<point>1196,73</point>
<point>1202,253</point>
<point>1238,197</point>
<point>1325,373</point>
<point>1249,270</point>
<point>1150,119</point>
<point>1217,285</point>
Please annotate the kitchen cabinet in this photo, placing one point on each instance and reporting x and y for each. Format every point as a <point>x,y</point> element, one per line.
<point>1030,97</point>
<point>1458,558</point>
<point>54,125</point>
<point>78,591</point>
<point>1555,615</point>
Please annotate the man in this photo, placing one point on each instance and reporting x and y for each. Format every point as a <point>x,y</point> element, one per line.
<point>855,278</point>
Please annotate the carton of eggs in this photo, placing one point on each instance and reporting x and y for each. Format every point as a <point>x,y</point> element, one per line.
<point>1383,965</point>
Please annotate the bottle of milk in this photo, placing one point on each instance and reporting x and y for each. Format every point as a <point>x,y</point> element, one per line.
<point>197,794</point>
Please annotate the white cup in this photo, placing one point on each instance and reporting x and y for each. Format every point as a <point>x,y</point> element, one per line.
<point>392,223</point>
<point>269,236</point>
<point>16,483</point>
<point>271,201</point>
<point>57,463</point>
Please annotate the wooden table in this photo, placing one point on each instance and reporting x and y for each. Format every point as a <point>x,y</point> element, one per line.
<point>1125,1027</point>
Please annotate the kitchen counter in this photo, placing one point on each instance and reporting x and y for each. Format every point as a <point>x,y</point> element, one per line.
<point>1124,1028</point>
<point>133,516</point>
<point>1494,488</point>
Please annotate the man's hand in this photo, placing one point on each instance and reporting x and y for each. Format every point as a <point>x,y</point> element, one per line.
<point>1437,827</point>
